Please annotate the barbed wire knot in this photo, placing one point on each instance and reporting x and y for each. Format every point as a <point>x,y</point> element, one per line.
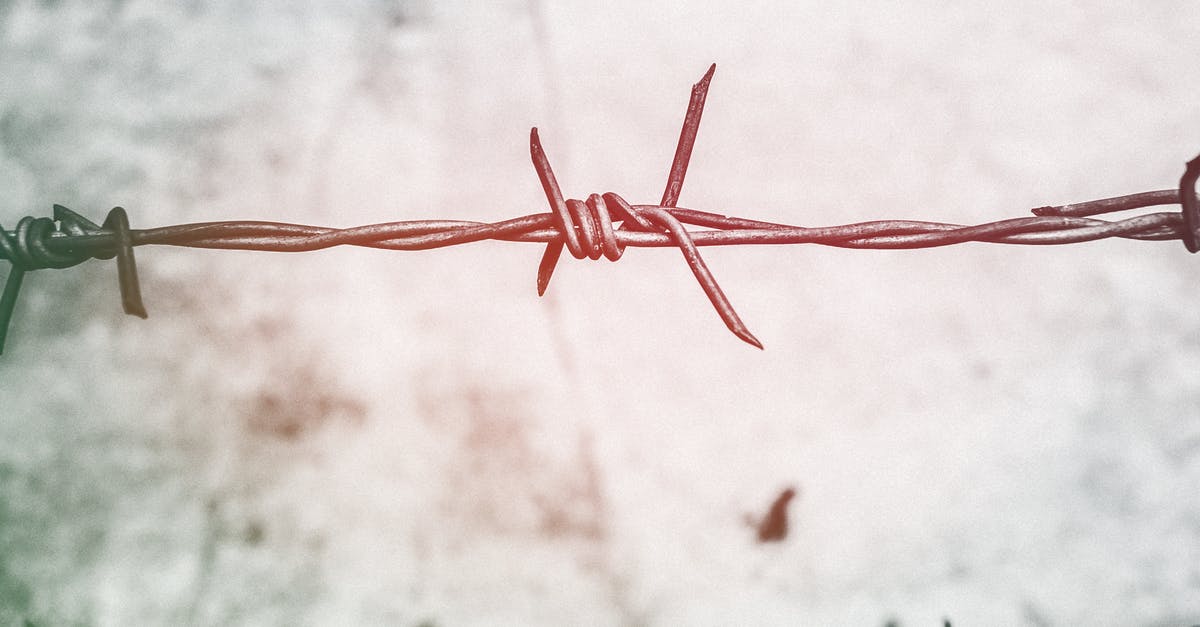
<point>586,228</point>
<point>31,246</point>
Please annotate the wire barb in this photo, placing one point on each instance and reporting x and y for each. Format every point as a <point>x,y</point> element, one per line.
<point>28,248</point>
<point>586,229</point>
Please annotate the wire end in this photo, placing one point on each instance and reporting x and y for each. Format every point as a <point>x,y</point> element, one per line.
<point>135,309</point>
<point>546,267</point>
<point>746,336</point>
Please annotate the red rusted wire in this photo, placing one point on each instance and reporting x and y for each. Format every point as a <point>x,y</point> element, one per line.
<point>587,229</point>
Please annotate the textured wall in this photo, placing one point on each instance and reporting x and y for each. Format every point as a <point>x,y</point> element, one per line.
<point>999,435</point>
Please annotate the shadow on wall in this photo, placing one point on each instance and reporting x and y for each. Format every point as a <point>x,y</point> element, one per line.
<point>499,479</point>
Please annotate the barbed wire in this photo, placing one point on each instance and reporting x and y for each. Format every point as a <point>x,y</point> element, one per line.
<point>586,229</point>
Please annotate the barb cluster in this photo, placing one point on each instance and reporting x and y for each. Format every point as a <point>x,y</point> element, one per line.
<point>586,229</point>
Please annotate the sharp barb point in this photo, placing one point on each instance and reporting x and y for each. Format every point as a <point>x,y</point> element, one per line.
<point>547,265</point>
<point>749,338</point>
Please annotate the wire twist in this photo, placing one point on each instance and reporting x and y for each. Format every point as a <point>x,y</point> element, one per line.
<point>586,229</point>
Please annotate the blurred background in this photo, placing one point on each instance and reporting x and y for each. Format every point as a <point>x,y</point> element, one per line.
<point>997,435</point>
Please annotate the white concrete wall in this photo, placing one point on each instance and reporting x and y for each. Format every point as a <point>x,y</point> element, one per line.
<point>997,435</point>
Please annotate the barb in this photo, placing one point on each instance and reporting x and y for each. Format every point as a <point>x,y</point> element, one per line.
<point>586,229</point>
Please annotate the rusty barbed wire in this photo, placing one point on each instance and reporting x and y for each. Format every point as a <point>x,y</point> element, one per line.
<point>586,229</point>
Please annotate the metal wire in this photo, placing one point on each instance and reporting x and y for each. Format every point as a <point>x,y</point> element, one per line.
<point>586,229</point>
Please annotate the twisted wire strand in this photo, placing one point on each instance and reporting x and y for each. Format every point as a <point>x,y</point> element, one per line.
<point>588,229</point>
<point>727,231</point>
